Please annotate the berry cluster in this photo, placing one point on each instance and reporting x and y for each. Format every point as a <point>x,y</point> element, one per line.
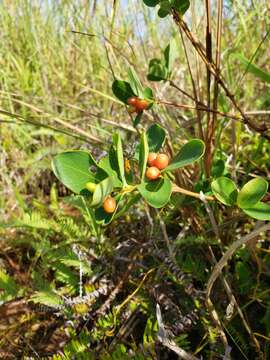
<point>137,105</point>
<point>156,163</point>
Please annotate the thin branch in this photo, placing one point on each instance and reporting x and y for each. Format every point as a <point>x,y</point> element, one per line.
<point>208,43</point>
<point>178,189</point>
<point>225,258</point>
<point>201,107</point>
<point>212,122</point>
<point>226,285</point>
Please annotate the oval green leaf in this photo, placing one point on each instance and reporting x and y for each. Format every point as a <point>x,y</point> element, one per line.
<point>72,168</point>
<point>135,83</point>
<point>148,94</point>
<point>156,70</point>
<point>260,211</point>
<point>190,152</point>
<point>162,13</point>
<point>156,193</point>
<point>251,193</point>
<point>181,5</point>
<point>151,3</point>
<point>109,164</point>
<point>102,190</point>
<point>155,136</point>
<point>225,190</point>
<point>122,90</point>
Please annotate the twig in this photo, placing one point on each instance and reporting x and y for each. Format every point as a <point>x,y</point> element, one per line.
<point>199,107</point>
<point>212,121</point>
<point>208,43</point>
<point>228,254</point>
<point>223,261</point>
<point>227,287</point>
<point>178,189</point>
<point>164,339</point>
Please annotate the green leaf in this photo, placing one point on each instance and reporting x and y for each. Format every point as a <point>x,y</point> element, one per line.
<point>260,211</point>
<point>155,136</point>
<point>148,94</point>
<point>135,83</point>
<point>190,152</point>
<point>122,90</point>
<point>170,54</point>
<point>225,190</point>
<point>134,198</point>
<point>103,189</point>
<point>143,154</point>
<point>151,3</point>
<point>72,168</point>
<point>120,157</point>
<point>9,288</point>
<point>104,218</point>
<point>252,192</point>
<point>47,297</point>
<point>137,119</point>
<point>165,5</point>
<point>181,5</point>
<point>253,69</point>
<point>156,193</point>
<point>163,13</point>
<point>156,70</point>
<point>218,168</point>
<point>110,165</point>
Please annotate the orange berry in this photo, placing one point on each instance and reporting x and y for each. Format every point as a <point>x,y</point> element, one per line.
<point>132,101</point>
<point>109,205</point>
<point>161,161</point>
<point>138,104</point>
<point>151,158</point>
<point>141,105</point>
<point>152,173</point>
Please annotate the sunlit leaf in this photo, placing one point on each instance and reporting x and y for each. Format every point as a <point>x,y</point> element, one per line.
<point>260,211</point>
<point>225,190</point>
<point>135,83</point>
<point>252,192</point>
<point>117,142</point>
<point>76,168</point>
<point>156,193</point>
<point>102,190</point>
<point>190,152</point>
